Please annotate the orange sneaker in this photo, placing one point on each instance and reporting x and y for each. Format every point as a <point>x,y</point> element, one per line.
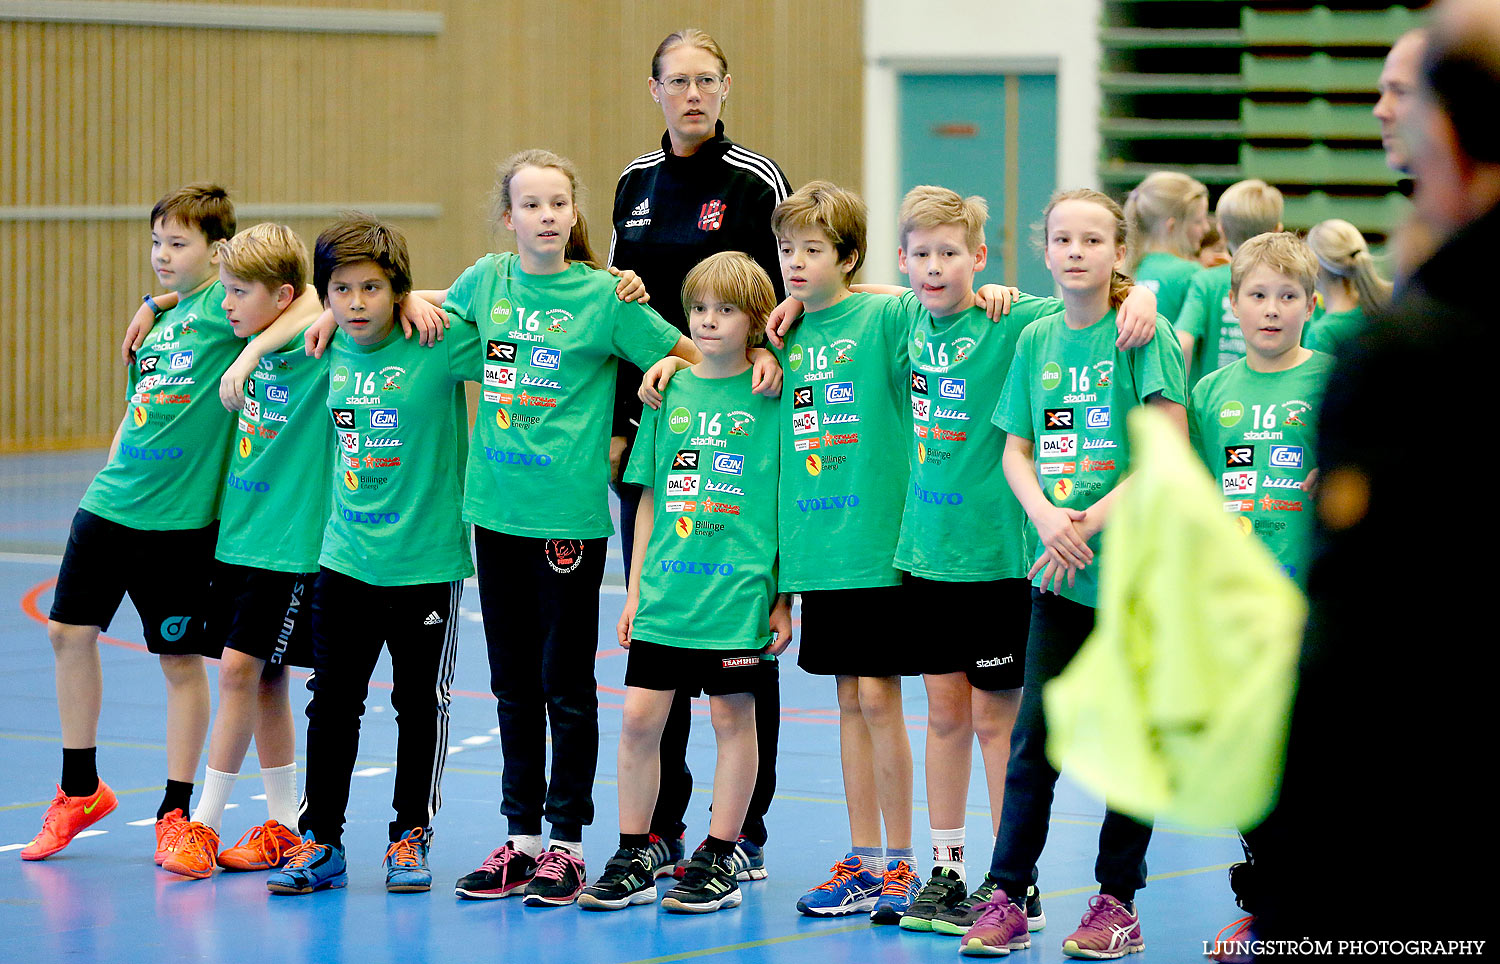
<point>194,852</point>
<point>261,848</point>
<point>66,816</point>
<point>167,829</point>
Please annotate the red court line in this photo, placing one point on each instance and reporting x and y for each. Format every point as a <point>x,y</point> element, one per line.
<point>700,706</point>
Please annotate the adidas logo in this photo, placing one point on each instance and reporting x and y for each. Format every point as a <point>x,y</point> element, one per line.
<point>432,619</point>
<point>642,209</point>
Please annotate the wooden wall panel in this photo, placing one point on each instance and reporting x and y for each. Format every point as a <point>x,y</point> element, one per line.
<point>111,117</point>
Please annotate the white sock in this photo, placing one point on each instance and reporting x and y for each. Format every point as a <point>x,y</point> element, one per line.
<point>217,787</point>
<point>529,844</point>
<point>948,850</point>
<point>574,847</point>
<point>281,794</point>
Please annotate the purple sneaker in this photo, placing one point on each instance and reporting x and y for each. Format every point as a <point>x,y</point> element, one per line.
<point>1000,929</point>
<point>1109,930</point>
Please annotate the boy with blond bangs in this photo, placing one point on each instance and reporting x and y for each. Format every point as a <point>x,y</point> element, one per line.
<point>1254,422</point>
<point>275,505</point>
<point>156,498</point>
<point>702,612</point>
<point>1206,326</point>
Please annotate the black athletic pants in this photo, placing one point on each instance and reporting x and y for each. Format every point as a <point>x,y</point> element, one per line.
<point>1058,628</point>
<point>540,599</point>
<point>351,620</point>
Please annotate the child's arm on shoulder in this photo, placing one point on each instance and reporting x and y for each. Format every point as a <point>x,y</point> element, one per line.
<point>781,624</point>
<point>303,311</point>
<point>141,324</point>
<point>1136,319</point>
<point>630,286</point>
<point>644,518</point>
<point>765,373</point>
<point>780,320</point>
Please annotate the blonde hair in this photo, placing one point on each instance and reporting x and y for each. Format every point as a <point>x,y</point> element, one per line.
<point>578,239</point>
<point>688,37</point>
<point>1342,252</point>
<point>1162,196</point>
<point>736,279</point>
<point>837,212</point>
<point>271,254</point>
<point>1120,283</point>
<point>1282,252</point>
<point>1248,208</point>
<point>926,206</point>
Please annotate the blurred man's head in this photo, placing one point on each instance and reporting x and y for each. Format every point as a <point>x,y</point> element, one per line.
<point>1399,79</point>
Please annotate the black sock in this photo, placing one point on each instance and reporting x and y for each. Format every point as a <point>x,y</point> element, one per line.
<point>179,796</point>
<point>634,841</point>
<point>1125,895</point>
<point>717,847</point>
<point>80,775</point>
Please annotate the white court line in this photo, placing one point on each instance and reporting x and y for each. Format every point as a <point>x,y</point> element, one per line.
<point>456,749</point>
<point>258,796</point>
<point>148,822</point>
<point>477,740</point>
<point>372,771</point>
<point>11,846</point>
<point>30,559</point>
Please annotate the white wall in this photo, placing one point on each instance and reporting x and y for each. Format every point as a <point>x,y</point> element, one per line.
<point>989,36</point>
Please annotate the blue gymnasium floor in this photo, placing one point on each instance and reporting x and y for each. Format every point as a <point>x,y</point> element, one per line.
<point>102,900</point>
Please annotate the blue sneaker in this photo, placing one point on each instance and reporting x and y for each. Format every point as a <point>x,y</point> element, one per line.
<point>851,890</point>
<point>310,866</point>
<point>897,892</point>
<point>748,860</point>
<point>406,863</point>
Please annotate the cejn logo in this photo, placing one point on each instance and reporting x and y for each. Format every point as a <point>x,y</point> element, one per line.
<point>951,389</point>
<point>728,464</point>
<point>546,357</point>
<point>1286,456</point>
<point>383,418</point>
<point>838,393</point>
<point>278,394</point>
<point>1096,417</point>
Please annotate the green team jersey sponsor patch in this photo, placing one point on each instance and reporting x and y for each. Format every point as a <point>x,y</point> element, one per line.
<point>400,427</point>
<point>844,426</point>
<point>1169,277</point>
<point>1069,391</point>
<point>167,470</point>
<point>961,522</point>
<point>1256,432</point>
<point>276,492</point>
<point>708,577</point>
<point>539,465</point>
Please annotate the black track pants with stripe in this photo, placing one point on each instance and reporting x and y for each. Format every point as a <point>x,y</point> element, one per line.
<point>351,621</point>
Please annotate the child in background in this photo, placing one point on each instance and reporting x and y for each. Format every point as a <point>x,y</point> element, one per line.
<point>1349,286</point>
<point>702,609</point>
<point>1212,250</point>
<point>1168,216</point>
<point>1206,328</point>
<point>271,522</point>
<point>1064,407</point>
<point>395,554</point>
<point>537,494</point>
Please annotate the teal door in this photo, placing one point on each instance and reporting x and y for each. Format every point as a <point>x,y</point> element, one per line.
<point>994,135</point>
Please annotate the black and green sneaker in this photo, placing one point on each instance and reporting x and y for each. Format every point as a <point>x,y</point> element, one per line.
<point>708,884</point>
<point>943,892</point>
<point>961,916</point>
<point>1035,919</point>
<point>626,880</point>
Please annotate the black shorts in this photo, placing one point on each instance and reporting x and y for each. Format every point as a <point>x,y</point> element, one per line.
<point>167,573</point>
<point>994,657</point>
<point>858,632</point>
<point>264,613</point>
<point>713,672</point>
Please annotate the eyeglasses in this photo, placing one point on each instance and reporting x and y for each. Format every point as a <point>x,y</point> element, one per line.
<point>708,83</point>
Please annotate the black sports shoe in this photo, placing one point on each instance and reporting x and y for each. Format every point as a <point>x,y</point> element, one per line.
<point>707,885</point>
<point>961,916</point>
<point>626,880</point>
<point>665,855</point>
<point>1035,919</point>
<point>504,873</point>
<point>942,892</point>
<point>558,881</point>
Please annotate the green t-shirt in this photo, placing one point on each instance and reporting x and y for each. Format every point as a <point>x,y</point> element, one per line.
<point>167,471</point>
<point>843,431</point>
<point>1208,317</point>
<point>401,428</point>
<point>276,494</point>
<point>1069,391</point>
<point>711,455</point>
<point>1168,276</point>
<point>1256,432</point>
<point>1334,331</point>
<point>539,465</point>
<point>961,522</point>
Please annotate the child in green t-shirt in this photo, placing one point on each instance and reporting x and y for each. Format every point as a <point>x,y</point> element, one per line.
<point>394,556</point>
<point>1206,326</point>
<point>1349,286</point>
<point>1254,422</point>
<point>270,531</point>
<point>702,612</point>
<point>1064,407</point>
<point>1168,216</point>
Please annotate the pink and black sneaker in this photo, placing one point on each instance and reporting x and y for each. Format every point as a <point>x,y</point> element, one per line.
<point>504,873</point>
<point>558,882</point>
